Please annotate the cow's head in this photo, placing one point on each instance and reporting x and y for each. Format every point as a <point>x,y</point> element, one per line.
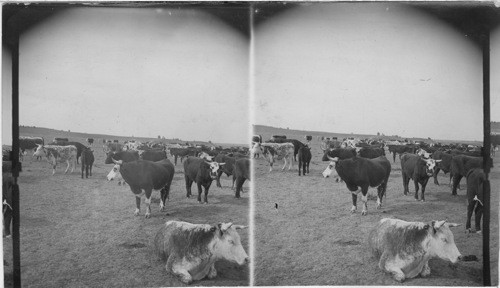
<point>331,167</point>
<point>423,153</point>
<point>442,242</point>
<point>204,155</point>
<point>39,151</point>
<point>214,168</point>
<point>229,244</point>
<point>430,165</point>
<point>115,172</point>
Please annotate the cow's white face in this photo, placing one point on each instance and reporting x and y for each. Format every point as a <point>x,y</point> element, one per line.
<point>442,243</point>
<point>329,169</point>
<point>214,167</point>
<point>229,245</point>
<point>114,173</point>
<point>430,165</point>
<point>39,152</point>
<point>204,155</point>
<point>423,153</point>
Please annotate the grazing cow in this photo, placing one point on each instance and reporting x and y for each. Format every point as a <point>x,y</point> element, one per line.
<point>405,248</point>
<point>241,173</point>
<point>202,172</point>
<point>444,164</point>
<point>191,250</point>
<point>304,159</point>
<point>278,151</point>
<point>148,176</point>
<point>90,141</point>
<point>460,166</point>
<point>370,153</point>
<point>87,161</point>
<point>475,180</point>
<point>56,154</point>
<point>417,168</point>
<point>154,155</point>
<point>126,156</point>
<point>362,172</point>
<point>228,168</point>
<point>182,152</point>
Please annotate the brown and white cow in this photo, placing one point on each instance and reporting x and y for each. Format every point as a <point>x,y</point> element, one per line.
<point>405,248</point>
<point>278,151</point>
<point>57,154</point>
<point>191,250</point>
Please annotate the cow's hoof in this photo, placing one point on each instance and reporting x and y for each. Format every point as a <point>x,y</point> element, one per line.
<point>363,213</point>
<point>399,277</point>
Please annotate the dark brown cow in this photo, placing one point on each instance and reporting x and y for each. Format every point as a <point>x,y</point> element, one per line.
<point>475,179</point>
<point>202,172</point>
<point>417,168</point>
<point>460,166</point>
<point>241,173</point>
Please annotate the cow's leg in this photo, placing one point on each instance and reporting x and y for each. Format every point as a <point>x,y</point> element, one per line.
<point>436,171</point>
<point>7,219</point>
<point>380,194</point>
<point>364,199</point>
<point>300,164</point>
<point>239,184</point>
<point>181,271</point>
<point>284,164</point>
<point>478,216</point>
<point>354,200</point>
<point>424,184</point>
<point>68,164</point>
<point>426,270</point>
<point>415,181</point>
<point>234,179</point>
<point>456,182</point>
<point>212,273</point>
<point>200,190</point>
<point>219,173</point>
<point>189,182</point>
<point>470,208</point>
<point>291,163</point>
<point>90,170</point>
<point>73,167</point>
<point>137,205</point>
<point>406,181</point>
<point>394,268</point>
<point>207,186</point>
<point>148,202</point>
<point>394,157</point>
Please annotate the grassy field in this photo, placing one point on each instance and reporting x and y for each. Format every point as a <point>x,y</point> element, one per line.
<point>83,233</point>
<point>313,239</point>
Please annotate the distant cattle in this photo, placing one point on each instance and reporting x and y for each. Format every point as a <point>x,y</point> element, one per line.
<point>475,180</point>
<point>304,156</point>
<point>112,147</point>
<point>145,176</point>
<point>404,248</point>
<point>90,141</point>
<point>364,173</point>
<point>460,166</point>
<point>202,173</point>
<point>419,169</point>
<point>87,162</point>
<point>278,151</point>
<point>115,141</point>
<point>241,173</point>
<point>126,156</point>
<point>153,155</point>
<point>191,250</point>
<point>278,138</point>
<point>444,164</point>
<point>59,139</point>
<point>371,153</point>
<point>400,149</point>
<point>227,168</point>
<point>181,153</point>
<point>330,144</point>
<point>57,154</point>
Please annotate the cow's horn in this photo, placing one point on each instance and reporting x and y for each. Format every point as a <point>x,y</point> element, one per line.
<point>438,224</point>
<point>222,164</point>
<point>453,224</point>
<point>334,159</point>
<point>119,162</point>
<point>240,227</point>
<point>225,226</point>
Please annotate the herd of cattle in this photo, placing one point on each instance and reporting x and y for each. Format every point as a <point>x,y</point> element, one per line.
<point>145,167</point>
<point>403,248</point>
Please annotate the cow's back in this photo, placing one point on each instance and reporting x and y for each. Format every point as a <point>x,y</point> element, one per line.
<point>147,174</point>
<point>242,168</point>
<point>192,167</point>
<point>408,164</point>
<point>461,164</point>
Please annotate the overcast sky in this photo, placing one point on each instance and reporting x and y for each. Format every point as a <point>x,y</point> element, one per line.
<point>179,73</point>
<point>367,68</point>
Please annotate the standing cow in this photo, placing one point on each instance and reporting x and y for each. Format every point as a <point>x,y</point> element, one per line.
<point>191,250</point>
<point>460,166</point>
<point>475,180</point>
<point>278,151</point>
<point>241,173</point>
<point>202,172</point>
<point>405,248</point>
<point>304,155</point>
<point>87,161</point>
<point>57,154</point>
<point>417,168</point>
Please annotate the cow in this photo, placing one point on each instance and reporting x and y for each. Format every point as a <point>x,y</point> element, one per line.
<point>191,250</point>
<point>202,172</point>
<point>330,144</point>
<point>148,176</point>
<point>423,153</point>
<point>364,173</point>
<point>87,161</point>
<point>29,143</point>
<point>400,149</point>
<point>417,168</point>
<point>444,164</point>
<point>112,147</point>
<point>405,248</point>
<point>278,151</point>
<point>90,141</point>
<point>341,153</point>
<point>79,146</point>
<point>182,152</point>
<point>228,168</point>
<point>126,156</point>
<point>153,155</point>
<point>241,173</point>
<point>304,154</point>
<point>369,152</point>
<point>296,146</point>
<point>460,166</point>
<point>56,154</point>
<point>475,179</point>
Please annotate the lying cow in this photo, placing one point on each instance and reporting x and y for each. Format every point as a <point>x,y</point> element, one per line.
<point>202,172</point>
<point>361,172</point>
<point>419,169</point>
<point>241,173</point>
<point>304,155</point>
<point>475,180</point>
<point>405,248</point>
<point>146,175</point>
<point>87,161</point>
<point>278,151</point>
<point>57,154</point>
<point>191,250</point>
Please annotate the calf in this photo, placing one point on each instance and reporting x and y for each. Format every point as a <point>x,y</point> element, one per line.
<point>87,161</point>
<point>56,154</point>
<point>148,176</point>
<point>278,151</point>
<point>460,166</point>
<point>361,172</point>
<point>202,172</point>
<point>416,168</point>
<point>304,154</point>
<point>191,250</point>
<point>475,179</point>
<point>405,248</point>
<point>241,173</point>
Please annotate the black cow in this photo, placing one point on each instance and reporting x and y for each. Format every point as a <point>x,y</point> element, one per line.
<point>148,176</point>
<point>460,166</point>
<point>362,172</point>
<point>79,146</point>
<point>154,155</point>
<point>90,141</point>
<point>400,149</point>
<point>296,146</point>
<point>126,156</point>
<point>182,152</point>
<point>59,139</point>
<point>444,164</point>
<point>228,168</point>
<point>370,152</point>
<point>341,153</point>
<point>87,161</point>
<point>417,168</point>
<point>304,159</point>
<point>475,179</point>
<point>241,173</point>
<point>202,172</point>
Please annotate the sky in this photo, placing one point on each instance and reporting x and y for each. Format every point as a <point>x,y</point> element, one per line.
<point>178,73</point>
<point>367,68</point>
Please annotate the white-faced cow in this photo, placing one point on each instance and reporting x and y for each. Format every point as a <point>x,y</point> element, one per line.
<point>191,250</point>
<point>475,185</point>
<point>405,248</point>
<point>419,169</point>
<point>278,151</point>
<point>341,154</point>
<point>145,176</point>
<point>202,172</point>
<point>57,154</point>
<point>361,172</point>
